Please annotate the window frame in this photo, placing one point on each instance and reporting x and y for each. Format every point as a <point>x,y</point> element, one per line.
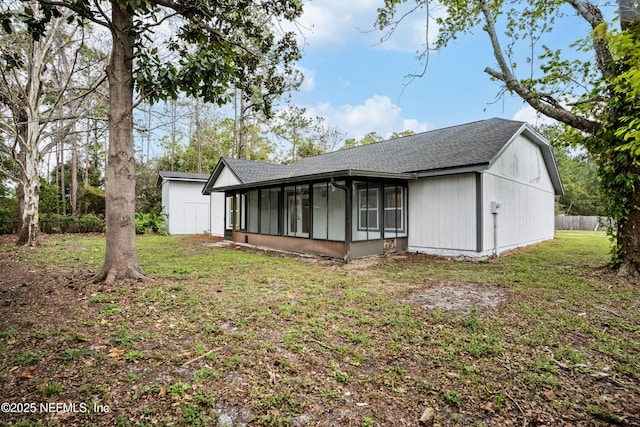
<point>368,191</point>
<point>393,211</point>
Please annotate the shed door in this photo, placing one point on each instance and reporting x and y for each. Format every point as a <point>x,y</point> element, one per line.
<point>196,217</point>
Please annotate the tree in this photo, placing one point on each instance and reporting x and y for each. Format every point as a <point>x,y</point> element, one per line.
<point>578,171</point>
<point>369,138</point>
<point>372,137</point>
<point>591,85</point>
<point>216,45</point>
<point>35,94</point>
<point>307,136</point>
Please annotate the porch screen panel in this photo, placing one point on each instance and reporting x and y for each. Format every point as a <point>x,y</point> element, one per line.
<point>269,210</point>
<point>320,210</point>
<point>232,210</point>
<point>395,219</point>
<point>336,215</point>
<point>242,214</point>
<point>252,211</point>
<point>366,211</point>
<point>296,211</point>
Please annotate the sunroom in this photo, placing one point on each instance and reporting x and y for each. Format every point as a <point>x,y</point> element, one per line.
<point>345,215</point>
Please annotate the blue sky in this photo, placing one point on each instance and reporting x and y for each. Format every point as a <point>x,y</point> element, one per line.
<point>358,84</point>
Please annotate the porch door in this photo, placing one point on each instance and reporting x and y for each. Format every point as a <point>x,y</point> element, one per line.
<point>298,221</point>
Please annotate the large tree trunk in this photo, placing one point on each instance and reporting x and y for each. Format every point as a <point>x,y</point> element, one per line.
<point>121,258</point>
<point>29,228</point>
<point>28,135</point>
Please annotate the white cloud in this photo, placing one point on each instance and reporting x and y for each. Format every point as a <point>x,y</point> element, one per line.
<point>377,114</point>
<point>533,117</point>
<point>309,82</point>
<point>337,22</point>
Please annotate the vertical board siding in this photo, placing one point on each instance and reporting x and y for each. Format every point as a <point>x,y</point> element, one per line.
<point>225,178</point>
<point>188,209</point>
<point>520,183</point>
<point>442,213</point>
<point>217,214</point>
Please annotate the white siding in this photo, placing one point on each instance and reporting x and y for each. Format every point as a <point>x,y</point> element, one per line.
<point>187,208</point>
<point>520,183</point>
<point>217,201</point>
<point>225,178</point>
<point>442,215</point>
<point>217,213</point>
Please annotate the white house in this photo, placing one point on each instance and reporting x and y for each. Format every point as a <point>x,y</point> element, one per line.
<point>476,189</point>
<point>188,210</point>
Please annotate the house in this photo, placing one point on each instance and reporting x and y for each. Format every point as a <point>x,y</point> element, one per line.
<point>188,210</point>
<point>475,190</point>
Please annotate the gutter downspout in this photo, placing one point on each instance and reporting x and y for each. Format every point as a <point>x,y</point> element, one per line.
<point>347,222</point>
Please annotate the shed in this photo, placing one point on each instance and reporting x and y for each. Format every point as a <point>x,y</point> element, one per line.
<point>188,210</point>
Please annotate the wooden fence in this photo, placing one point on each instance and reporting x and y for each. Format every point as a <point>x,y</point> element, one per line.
<point>571,222</point>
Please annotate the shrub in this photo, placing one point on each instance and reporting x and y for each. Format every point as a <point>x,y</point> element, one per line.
<point>56,223</point>
<point>9,220</point>
<point>151,223</point>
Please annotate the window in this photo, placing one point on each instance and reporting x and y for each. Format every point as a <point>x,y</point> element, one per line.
<point>393,208</point>
<point>368,213</point>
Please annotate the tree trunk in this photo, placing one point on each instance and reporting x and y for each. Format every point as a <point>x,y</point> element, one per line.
<point>63,198</point>
<point>121,258</point>
<point>28,135</point>
<point>73,193</point>
<point>29,228</point>
<point>30,185</point>
<point>628,239</point>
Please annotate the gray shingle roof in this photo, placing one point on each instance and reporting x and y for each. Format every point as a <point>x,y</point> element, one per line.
<point>469,145</point>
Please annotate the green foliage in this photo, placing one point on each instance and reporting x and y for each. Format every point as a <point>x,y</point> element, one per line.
<point>369,138</point>
<point>147,223</point>
<point>616,146</point>
<point>51,388</point>
<point>178,389</point>
<point>148,194</point>
<point>49,202</point>
<point>452,397</point>
<point>73,354</point>
<point>92,200</point>
<point>577,170</point>
<point>306,136</point>
<point>56,223</point>
<point>9,215</point>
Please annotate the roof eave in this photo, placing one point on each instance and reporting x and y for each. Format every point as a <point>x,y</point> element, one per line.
<point>349,173</point>
<point>161,178</point>
<point>479,167</point>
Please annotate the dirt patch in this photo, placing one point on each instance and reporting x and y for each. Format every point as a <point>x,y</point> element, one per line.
<point>459,297</point>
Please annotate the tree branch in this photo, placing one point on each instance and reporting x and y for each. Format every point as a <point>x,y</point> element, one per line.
<point>546,104</point>
<point>594,17</point>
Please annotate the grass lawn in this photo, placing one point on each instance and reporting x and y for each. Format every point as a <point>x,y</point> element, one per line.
<point>227,336</point>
